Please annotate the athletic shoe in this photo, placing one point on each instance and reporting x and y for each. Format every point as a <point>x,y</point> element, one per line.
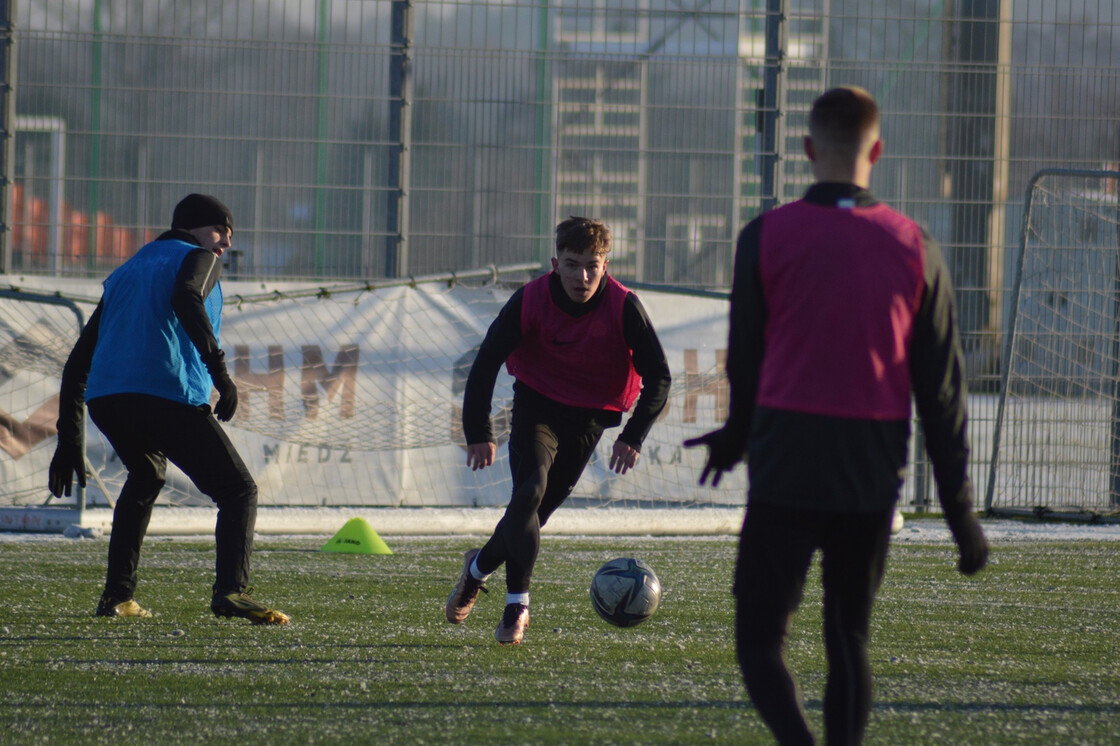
<point>108,607</point>
<point>243,605</point>
<point>515,620</point>
<point>465,593</point>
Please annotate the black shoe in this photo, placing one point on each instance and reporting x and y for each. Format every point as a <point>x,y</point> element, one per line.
<point>243,605</point>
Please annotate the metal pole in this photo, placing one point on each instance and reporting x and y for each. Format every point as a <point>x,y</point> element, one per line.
<point>369,260</point>
<point>400,138</point>
<point>768,112</point>
<point>55,129</point>
<point>972,135</point>
<point>95,136</point>
<point>1114,425</point>
<point>7,133</point>
<point>1001,157</point>
<point>256,266</point>
<point>545,202</point>
<point>321,140</point>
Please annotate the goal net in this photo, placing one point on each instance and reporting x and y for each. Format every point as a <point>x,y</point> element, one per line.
<point>350,396</point>
<point>1056,440</point>
<point>37,332</point>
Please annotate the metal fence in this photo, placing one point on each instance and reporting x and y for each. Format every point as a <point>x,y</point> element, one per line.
<point>357,139</point>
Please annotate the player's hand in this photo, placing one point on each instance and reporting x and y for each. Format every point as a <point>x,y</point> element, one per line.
<point>971,542</point>
<point>623,457</point>
<point>725,450</point>
<point>67,462</point>
<point>481,455</point>
<point>227,396</point>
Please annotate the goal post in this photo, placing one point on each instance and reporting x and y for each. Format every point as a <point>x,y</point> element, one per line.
<point>37,332</point>
<point>1056,437</point>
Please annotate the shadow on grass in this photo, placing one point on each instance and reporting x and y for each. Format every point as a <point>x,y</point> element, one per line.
<point>1025,709</point>
<point>405,705</point>
<point>585,705</point>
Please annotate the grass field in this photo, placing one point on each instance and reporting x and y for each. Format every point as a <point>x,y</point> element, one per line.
<point>1026,653</point>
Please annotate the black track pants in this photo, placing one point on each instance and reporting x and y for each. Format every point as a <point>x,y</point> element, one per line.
<point>547,455</point>
<point>775,550</point>
<point>147,432</point>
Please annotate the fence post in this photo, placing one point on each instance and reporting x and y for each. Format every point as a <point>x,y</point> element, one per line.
<point>7,133</point>
<point>400,138</point>
<point>768,111</point>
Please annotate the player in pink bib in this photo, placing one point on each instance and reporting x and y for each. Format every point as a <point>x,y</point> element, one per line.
<point>582,351</point>
<point>841,309</point>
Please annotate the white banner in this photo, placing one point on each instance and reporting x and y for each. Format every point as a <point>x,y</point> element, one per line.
<point>353,398</point>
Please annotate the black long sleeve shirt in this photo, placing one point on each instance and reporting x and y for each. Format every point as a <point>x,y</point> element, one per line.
<point>503,337</point>
<point>198,274</point>
<point>798,458</point>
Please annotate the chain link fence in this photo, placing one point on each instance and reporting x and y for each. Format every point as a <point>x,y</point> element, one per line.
<point>359,139</point>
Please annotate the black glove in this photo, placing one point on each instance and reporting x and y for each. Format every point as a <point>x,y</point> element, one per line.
<point>725,450</point>
<point>970,540</point>
<point>966,530</point>
<point>67,462</point>
<point>227,389</point>
<point>227,396</point>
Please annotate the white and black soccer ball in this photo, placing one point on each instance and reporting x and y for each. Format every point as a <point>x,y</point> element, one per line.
<point>625,592</point>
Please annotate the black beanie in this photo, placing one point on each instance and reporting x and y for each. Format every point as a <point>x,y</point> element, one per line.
<point>199,210</point>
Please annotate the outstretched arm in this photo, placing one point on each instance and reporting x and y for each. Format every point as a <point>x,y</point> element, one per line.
<point>652,367</point>
<point>501,339</point>
<point>68,459</point>
<point>198,275</point>
<point>937,377</point>
<point>746,322</point>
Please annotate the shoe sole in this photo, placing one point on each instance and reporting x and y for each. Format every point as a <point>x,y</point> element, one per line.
<point>265,617</point>
<point>115,613</point>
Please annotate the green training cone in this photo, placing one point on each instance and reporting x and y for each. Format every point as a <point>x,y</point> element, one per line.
<point>357,537</point>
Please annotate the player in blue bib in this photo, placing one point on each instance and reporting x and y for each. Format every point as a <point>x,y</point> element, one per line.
<point>144,365</point>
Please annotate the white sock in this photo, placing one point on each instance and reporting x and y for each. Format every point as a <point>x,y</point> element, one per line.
<point>476,573</point>
<point>517,598</point>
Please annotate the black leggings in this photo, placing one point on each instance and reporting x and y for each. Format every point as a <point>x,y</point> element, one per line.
<point>146,432</point>
<point>547,455</point>
<point>775,550</point>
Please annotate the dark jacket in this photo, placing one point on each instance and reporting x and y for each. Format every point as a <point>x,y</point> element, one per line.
<point>196,277</point>
<point>503,337</point>
<point>864,313</point>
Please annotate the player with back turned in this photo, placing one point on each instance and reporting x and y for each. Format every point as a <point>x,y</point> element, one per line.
<point>841,308</point>
<point>144,365</point>
<point>582,351</point>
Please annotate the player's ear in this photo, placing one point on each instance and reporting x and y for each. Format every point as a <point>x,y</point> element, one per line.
<point>876,151</point>
<point>555,264</point>
<point>809,152</point>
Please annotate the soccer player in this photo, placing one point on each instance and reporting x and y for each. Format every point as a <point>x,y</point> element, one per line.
<point>144,365</point>
<point>581,350</point>
<point>840,308</point>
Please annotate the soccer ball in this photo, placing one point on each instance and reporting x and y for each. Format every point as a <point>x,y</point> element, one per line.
<point>897,522</point>
<point>625,592</point>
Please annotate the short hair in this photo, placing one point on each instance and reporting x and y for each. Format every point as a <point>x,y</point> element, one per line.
<point>582,235</point>
<point>843,118</point>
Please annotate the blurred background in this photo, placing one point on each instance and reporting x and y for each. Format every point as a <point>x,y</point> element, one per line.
<point>359,139</point>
